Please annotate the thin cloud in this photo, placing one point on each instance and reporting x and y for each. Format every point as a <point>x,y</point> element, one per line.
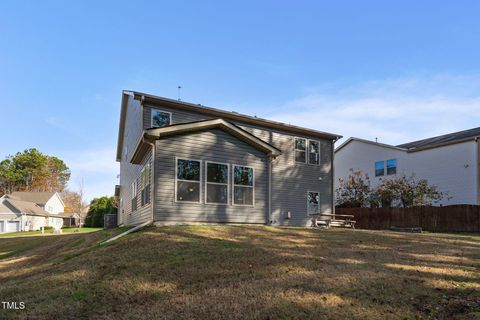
<point>392,110</point>
<point>96,167</point>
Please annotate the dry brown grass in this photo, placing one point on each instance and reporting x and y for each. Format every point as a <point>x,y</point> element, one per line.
<point>243,272</point>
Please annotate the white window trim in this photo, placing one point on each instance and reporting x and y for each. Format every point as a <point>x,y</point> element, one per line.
<point>307,153</point>
<point>199,181</point>
<point>319,201</point>
<point>134,188</point>
<point>295,150</point>
<point>239,185</point>
<point>220,184</point>
<point>159,110</point>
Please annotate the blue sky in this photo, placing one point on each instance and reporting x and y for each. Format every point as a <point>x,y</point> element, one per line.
<point>394,70</point>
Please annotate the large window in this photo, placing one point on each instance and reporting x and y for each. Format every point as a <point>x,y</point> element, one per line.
<point>313,202</point>
<point>313,152</point>
<point>145,183</point>
<point>392,166</point>
<point>134,195</point>
<point>379,168</point>
<point>243,185</point>
<point>217,183</point>
<point>161,118</point>
<point>300,150</point>
<point>187,182</point>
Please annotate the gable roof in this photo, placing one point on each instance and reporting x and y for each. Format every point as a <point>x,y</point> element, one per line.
<point>212,112</point>
<point>20,206</point>
<point>369,142</point>
<point>40,198</point>
<point>419,145</point>
<point>182,128</point>
<point>450,138</point>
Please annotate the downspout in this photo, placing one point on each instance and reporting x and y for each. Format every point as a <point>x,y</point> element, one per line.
<point>152,166</point>
<point>477,168</point>
<point>269,210</point>
<point>332,170</point>
<point>152,178</point>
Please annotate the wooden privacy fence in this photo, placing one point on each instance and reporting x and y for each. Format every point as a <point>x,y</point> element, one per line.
<point>464,218</point>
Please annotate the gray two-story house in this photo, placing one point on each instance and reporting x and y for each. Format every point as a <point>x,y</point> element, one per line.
<point>187,163</point>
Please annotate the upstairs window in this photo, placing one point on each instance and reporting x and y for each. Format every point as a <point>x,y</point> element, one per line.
<point>313,152</point>
<point>187,180</point>
<point>243,186</point>
<point>161,118</point>
<point>301,150</point>
<point>217,183</point>
<point>379,168</point>
<point>391,166</point>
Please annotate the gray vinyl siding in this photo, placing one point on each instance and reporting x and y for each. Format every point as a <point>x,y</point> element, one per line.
<point>290,180</point>
<point>131,172</point>
<point>214,146</point>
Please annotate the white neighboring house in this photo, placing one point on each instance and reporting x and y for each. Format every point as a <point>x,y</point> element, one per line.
<point>25,211</point>
<point>451,162</point>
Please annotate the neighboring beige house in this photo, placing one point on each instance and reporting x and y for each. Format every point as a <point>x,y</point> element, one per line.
<point>451,162</point>
<point>25,211</point>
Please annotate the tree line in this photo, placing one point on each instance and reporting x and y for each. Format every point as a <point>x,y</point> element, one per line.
<point>32,170</point>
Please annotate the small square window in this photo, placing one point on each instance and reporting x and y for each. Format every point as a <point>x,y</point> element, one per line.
<point>379,168</point>
<point>161,118</point>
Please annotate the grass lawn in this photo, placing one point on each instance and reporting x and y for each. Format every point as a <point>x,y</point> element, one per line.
<point>47,232</point>
<point>243,272</point>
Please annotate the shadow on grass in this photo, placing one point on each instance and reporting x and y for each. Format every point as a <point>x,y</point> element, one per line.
<point>246,272</point>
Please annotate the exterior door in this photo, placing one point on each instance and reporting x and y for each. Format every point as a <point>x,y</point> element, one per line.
<point>2,226</point>
<point>13,226</point>
<point>313,202</point>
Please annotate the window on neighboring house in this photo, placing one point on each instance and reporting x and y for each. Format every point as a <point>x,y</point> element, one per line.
<point>134,195</point>
<point>379,168</point>
<point>161,118</point>
<point>313,152</point>
<point>243,186</point>
<point>217,182</point>
<point>313,202</point>
<point>392,166</point>
<point>300,150</point>
<point>145,183</point>
<point>187,180</point>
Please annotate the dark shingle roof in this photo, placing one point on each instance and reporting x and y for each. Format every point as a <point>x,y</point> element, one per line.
<point>446,138</point>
